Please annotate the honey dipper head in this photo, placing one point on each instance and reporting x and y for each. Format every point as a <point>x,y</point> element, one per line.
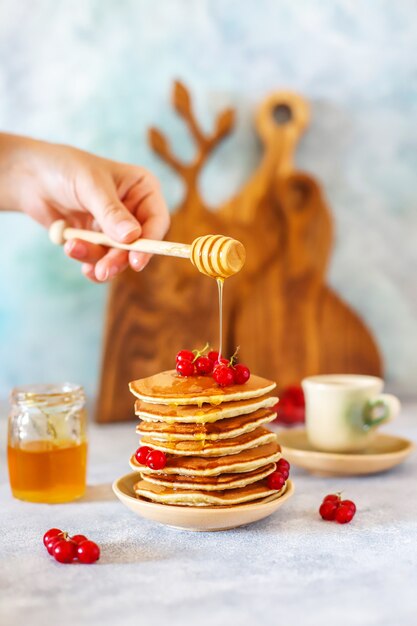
<point>217,256</point>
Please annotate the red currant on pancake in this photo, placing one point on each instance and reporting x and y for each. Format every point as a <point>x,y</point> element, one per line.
<point>185,368</point>
<point>204,365</point>
<point>88,552</point>
<point>65,551</point>
<point>344,514</point>
<point>78,539</point>
<point>328,510</point>
<point>213,355</point>
<point>141,454</point>
<point>184,355</point>
<point>241,374</point>
<point>349,504</point>
<point>283,464</point>
<point>275,481</point>
<point>223,375</point>
<point>52,532</point>
<point>156,460</point>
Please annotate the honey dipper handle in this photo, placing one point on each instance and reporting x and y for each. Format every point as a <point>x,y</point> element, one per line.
<point>59,232</point>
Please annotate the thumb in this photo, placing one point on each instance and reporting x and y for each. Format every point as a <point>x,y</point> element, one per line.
<point>111,214</point>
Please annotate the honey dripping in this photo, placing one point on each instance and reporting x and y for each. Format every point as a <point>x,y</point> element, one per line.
<point>220,286</point>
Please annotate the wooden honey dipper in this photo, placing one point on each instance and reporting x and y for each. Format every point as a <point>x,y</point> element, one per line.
<point>214,255</point>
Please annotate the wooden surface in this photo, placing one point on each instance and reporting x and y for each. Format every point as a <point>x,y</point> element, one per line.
<point>280,311</point>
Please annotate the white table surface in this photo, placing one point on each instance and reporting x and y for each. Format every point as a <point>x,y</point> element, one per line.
<point>292,568</point>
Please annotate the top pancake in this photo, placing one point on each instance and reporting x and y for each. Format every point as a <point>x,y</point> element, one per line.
<point>171,388</point>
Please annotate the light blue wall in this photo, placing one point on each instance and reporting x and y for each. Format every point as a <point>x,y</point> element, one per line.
<point>97,73</point>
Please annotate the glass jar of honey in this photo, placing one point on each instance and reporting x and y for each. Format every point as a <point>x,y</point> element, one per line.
<point>47,443</point>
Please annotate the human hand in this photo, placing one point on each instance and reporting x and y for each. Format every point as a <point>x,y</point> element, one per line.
<point>50,182</point>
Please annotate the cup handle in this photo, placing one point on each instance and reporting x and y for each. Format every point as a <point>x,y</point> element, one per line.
<point>381,409</point>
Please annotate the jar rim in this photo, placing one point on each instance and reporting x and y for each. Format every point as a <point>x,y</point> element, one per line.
<point>44,392</point>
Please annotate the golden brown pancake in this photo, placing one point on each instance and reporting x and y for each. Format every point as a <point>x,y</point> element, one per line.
<point>171,413</point>
<point>171,388</point>
<point>211,483</point>
<point>244,461</point>
<point>186,497</point>
<point>220,447</point>
<point>222,429</point>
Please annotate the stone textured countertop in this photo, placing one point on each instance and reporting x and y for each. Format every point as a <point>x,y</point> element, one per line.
<point>291,568</point>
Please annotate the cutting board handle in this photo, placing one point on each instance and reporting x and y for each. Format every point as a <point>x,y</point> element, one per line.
<point>280,121</point>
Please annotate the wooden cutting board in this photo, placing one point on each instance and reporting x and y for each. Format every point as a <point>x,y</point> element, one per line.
<point>280,311</point>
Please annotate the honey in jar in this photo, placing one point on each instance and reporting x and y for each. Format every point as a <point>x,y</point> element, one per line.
<point>47,444</point>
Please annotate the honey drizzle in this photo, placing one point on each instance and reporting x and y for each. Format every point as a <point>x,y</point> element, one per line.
<point>220,285</point>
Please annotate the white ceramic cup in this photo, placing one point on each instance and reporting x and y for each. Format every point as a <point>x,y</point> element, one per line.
<point>343,411</point>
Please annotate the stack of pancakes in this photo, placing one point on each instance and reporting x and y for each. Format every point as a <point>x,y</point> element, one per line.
<point>218,450</point>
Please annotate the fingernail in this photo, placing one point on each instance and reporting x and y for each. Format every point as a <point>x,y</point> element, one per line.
<point>126,230</point>
<point>76,248</point>
<point>138,265</point>
<point>102,274</point>
<point>113,271</point>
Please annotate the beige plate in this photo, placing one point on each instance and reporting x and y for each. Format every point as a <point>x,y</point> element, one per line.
<point>197,518</point>
<point>385,452</point>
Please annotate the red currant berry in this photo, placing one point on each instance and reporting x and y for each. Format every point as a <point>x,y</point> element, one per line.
<point>349,504</point>
<point>52,532</point>
<point>241,374</point>
<point>204,365</point>
<point>51,544</point>
<point>184,355</point>
<point>223,375</point>
<point>344,514</point>
<point>328,510</point>
<point>283,464</point>
<point>156,460</point>
<point>88,552</point>
<point>78,538</point>
<point>213,356</point>
<point>284,472</point>
<point>275,481</point>
<point>185,368</point>
<point>141,454</point>
<point>332,497</point>
<point>65,551</point>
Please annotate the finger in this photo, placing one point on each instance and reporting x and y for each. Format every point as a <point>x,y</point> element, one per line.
<point>88,271</point>
<point>84,251</point>
<point>101,199</point>
<point>113,262</point>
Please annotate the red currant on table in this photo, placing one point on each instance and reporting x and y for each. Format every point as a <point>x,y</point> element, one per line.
<point>88,552</point>
<point>141,454</point>
<point>51,543</point>
<point>184,355</point>
<point>241,374</point>
<point>156,460</point>
<point>65,551</point>
<point>204,365</point>
<point>52,532</point>
<point>332,497</point>
<point>185,368</point>
<point>275,481</point>
<point>78,539</point>
<point>328,510</point>
<point>223,375</point>
<point>344,514</point>
<point>349,504</point>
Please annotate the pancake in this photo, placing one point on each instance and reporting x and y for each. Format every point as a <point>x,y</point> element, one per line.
<point>211,483</point>
<point>244,461</point>
<point>186,497</point>
<point>220,447</point>
<point>171,413</point>
<point>171,388</point>
<point>222,429</point>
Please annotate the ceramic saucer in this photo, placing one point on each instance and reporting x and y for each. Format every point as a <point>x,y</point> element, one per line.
<point>385,452</point>
<point>197,518</point>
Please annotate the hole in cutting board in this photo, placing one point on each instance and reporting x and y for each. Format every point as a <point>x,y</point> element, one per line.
<point>282,114</point>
